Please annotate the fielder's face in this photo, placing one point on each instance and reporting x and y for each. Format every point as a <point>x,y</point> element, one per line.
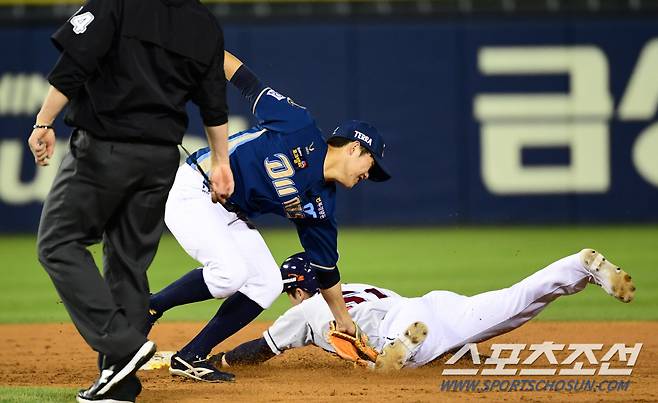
<point>357,165</point>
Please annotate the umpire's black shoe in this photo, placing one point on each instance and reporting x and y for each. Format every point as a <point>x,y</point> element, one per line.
<point>200,370</point>
<point>125,391</point>
<point>115,373</point>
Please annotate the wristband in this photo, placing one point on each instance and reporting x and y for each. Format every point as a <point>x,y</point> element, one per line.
<point>38,126</point>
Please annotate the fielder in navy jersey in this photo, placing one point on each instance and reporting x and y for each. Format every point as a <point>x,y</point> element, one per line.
<point>283,166</point>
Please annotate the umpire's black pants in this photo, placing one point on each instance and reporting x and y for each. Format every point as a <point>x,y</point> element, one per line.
<point>114,192</point>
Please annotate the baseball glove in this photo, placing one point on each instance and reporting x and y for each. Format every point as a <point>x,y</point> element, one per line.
<point>355,348</point>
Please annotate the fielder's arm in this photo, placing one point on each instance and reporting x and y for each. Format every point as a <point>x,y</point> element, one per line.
<point>319,239</point>
<point>334,298</point>
<point>231,65</point>
<point>242,78</point>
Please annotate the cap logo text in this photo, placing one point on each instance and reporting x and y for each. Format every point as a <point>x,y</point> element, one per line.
<point>363,137</point>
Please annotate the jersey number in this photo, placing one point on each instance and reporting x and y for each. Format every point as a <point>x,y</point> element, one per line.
<point>358,300</point>
<point>80,22</point>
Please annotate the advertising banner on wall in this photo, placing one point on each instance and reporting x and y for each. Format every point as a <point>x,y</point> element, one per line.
<point>486,121</point>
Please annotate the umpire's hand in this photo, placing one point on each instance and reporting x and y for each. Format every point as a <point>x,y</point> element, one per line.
<point>221,179</point>
<point>42,145</point>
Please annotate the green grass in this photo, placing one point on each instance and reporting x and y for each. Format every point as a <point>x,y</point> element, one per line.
<point>467,260</point>
<point>24,394</point>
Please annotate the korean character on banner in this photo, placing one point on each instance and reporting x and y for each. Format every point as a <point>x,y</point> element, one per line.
<point>622,351</point>
<point>475,358</point>
<point>546,348</point>
<point>495,359</point>
<point>580,349</point>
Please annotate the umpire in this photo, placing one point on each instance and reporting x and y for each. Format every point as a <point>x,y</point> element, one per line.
<point>126,70</point>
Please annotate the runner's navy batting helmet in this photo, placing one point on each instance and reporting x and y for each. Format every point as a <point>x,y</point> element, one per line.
<point>296,272</point>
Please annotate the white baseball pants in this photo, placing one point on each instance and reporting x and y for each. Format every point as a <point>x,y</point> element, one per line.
<point>234,257</point>
<point>455,320</point>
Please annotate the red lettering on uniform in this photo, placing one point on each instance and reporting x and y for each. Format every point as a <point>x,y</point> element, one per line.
<point>349,298</point>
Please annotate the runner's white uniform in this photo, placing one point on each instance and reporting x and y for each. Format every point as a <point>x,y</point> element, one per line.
<point>453,320</point>
<point>308,322</point>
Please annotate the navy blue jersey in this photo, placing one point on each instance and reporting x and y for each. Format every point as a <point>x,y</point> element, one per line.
<point>278,168</point>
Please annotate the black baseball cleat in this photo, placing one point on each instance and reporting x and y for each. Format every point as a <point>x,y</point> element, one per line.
<point>115,373</point>
<point>125,391</point>
<point>200,370</point>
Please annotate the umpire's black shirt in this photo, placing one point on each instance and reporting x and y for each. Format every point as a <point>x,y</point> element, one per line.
<point>128,67</point>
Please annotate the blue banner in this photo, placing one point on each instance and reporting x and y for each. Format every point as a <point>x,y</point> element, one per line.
<point>487,121</point>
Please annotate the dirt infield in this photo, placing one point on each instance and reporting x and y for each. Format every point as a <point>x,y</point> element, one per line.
<point>55,355</point>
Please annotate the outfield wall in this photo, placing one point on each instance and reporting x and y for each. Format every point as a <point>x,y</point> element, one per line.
<point>507,120</point>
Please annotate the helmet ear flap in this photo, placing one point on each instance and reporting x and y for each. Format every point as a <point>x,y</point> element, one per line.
<point>296,272</point>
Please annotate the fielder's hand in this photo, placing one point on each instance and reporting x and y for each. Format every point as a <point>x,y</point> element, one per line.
<point>221,182</point>
<point>42,145</point>
<point>347,327</point>
<point>355,348</point>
